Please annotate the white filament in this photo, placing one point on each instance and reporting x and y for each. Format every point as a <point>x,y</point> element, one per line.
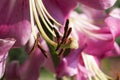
<point>91,64</point>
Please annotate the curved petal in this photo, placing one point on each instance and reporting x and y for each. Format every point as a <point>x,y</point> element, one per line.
<point>28,70</point>
<point>66,69</point>
<point>98,4</point>
<point>20,31</point>
<point>113,52</point>
<point>92,15</point>
<point>98,43</point>
<point>13,11</point>
<point>58,9</point>
<point>5,45</point>
<point>14,20</point>
<point>12,71</point>
<point>82,73</point>
<point>32,66</point>
<point>98,40</point>
<point>115,13</point>
<point>114,25</point>
<point>68,65</point>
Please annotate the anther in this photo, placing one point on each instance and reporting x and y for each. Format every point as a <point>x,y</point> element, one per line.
<point>67,32</point>
<point>59,44</point>
<point>57,34</point>
<point>61,52</point>
<point>66,25</point>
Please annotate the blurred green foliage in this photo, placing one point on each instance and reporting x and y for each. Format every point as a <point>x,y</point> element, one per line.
<point>46,75</point>
<point>117,4</point>
<point>17,54</point>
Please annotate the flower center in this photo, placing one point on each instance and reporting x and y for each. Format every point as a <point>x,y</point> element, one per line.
<point>45,22</point>
<point>38,10</point>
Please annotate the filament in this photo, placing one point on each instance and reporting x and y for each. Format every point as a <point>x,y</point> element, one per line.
<point>42,15</point>
<point>91,64</point>
<point>37,9</point>
<point>32,20</point>
<point>45,10</point>
<point>86,27</point>
<point>39,26</point>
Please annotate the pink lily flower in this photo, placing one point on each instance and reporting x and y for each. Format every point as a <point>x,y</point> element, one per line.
<point>58,12</point>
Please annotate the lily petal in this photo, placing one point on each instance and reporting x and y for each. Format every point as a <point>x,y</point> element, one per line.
<point>98,4</point>
<point>68,65</point>
<point>113,24</point>
<point>115,13</point>
<point>29,70</point>
<point>92,14</point>
<point>96,46</point>
<point>59,9</point>
<point>20,31</point>
<point>14,11</point>
<point>12,71</point>
<point>32,66</point>
<point>98,40</point>
<point>114,52</point>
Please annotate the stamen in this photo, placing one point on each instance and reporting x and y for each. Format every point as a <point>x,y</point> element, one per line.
<point>67,32</point>
<point>67,42</point>
<point>57,34</point>
<point>39,26</point>
<point>61,52</point>
<point>66,25</point>
<point>37,10</point>
<point>37,44</point>
<point>32,20</point>
<point>42,18</point>
<point>45,10</point>
<point>66,28</point>
<point>91,65</point>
